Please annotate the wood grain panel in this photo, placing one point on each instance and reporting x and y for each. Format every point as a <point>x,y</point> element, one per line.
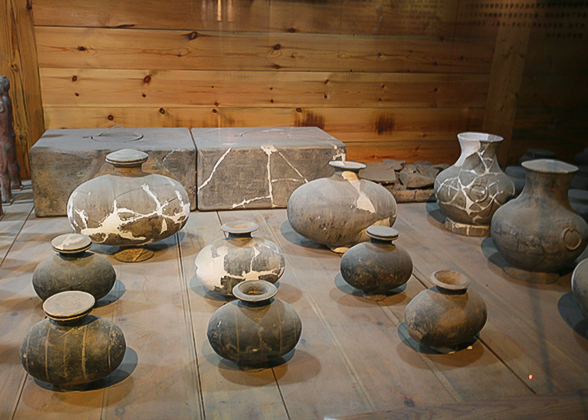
<point>148,88</point>
<point>166,49</point>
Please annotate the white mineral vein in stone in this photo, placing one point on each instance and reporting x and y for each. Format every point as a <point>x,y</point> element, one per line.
<point>286,179</point>
<point>341,154</point>
<point>292,166</point>
<point>268,151</point>
<point>218,162</point>
<point>363,202</point>
<point>247,201</point>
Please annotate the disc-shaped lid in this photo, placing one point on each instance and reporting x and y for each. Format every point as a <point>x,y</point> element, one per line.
<point>239,227</point>
<point>70,305</point>
<point>549,166</point>
<point>254,290</point>
<point>127,158</point>
<point>450,280</point>
<point>472,135</point>
<point>347,165</point>
<point>383,233</point>
<point>71,243</point>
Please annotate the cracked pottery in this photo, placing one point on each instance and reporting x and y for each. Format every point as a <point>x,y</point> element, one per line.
<point>580,286</point>
<point>255,329</point>
<point>73,268</point>
<point>129,207</point>
<point>336,211</point>
<point>71,349</point>
<point>377,266</point>
<point>470,191</point>
<point>221,265</point>
<point>446,315</point>
<point>539,233</point>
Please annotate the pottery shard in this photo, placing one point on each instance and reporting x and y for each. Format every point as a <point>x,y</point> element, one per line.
<point>396,165</point>
<point>426,169</point>
<point>381,172</point>
<point>415,180</point>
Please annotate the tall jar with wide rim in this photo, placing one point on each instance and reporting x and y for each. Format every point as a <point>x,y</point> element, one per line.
<point>336,211</point>
<point>470,191</point>
<point>539,233</point>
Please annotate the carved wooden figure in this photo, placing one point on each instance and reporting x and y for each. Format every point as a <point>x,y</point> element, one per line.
<point>9,168</point>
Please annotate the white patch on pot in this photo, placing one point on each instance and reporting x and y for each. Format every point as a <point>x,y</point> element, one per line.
<point>209,269</point>
<point>363,202</point>
<point>218,162</point>
<point>469,147</point>
<point>111,224</point>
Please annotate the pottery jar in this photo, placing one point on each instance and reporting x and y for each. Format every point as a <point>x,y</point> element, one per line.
<point>336,211</point>
<point>579,202</point>
<point>129,207</point>
<point>447,314</point>
<point>377,266</point>
<point>580,180</point>
<point>470,191</point>
<point>538,233</point>
<point>71,348</point>
<point>255,329</point>
<point>239,257</point>
<point>73,268</point>
<point>580,286</point>
<point>517,176</point>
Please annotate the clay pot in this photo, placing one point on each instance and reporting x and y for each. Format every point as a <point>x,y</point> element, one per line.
<point>470,191</point>
<point>336,211</point>
<point>579,202</point>
<point>128,207</point>
<point>534,154</point>
<point>517,176</point>
<point>223,264</point>
<point>539,233</point>
<point>256,329</point>
<point>580,286</point>
<point>71,349</point>
<point>377,266</point>
<point>73,268</point>
<point>447,314</point>
<point>580,180</point>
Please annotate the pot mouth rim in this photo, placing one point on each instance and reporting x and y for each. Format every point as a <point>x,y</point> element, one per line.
<point>347,165</point>
<point>240,227</point>
<point>385,233</point>
<point>549,166</point>
<point>254,290</point>
<point>69,305</point>
<point>450,280</point>
<point>127,158</point>
<point>71,243</point>
<point>479,136</point>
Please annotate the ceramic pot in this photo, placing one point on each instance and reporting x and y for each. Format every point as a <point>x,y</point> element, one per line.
<point>377,266</point>
<point>129,207</point>
<point>255,329</point>
<point>539,233</point>
<point>534,154</point>
<point>580,180</point>
<point>579,202</point>
<point>223,264</point>
<point>447,314</point>
<point>71,349</point>
<point>580,286</point>
<point>73,268</point>
<point>581,159</point>
<point>336,211</point>
<point>517,176</point>
<point>470,191</point>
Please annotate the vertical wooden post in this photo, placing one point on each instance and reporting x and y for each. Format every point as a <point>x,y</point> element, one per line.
<point>18,61</point>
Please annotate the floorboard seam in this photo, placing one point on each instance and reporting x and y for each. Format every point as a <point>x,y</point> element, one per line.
<point>22,385</point>
<point>280,392</point>
<point>16,236</point>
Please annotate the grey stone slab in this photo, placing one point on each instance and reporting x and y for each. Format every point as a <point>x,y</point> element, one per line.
<point>63,159</point>
<point>260,167</point>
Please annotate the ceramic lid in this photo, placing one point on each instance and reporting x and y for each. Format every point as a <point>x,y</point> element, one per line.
<point>71,243</point>
<point>70,305</point>
<point>347,165</point>
<point>255,290</point>
<point>549,166</point>
<point>472,135</point>
<point>450,280</point>
<point>239,227</point>
<point>127,158</point>
<point>384,233</point>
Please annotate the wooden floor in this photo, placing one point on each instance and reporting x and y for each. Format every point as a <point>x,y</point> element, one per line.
<point>354,358</point>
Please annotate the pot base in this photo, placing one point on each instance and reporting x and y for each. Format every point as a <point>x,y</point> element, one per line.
<point>531,276</point>
<point>339,249</point>
<point>466,230</point>
<point>133,254</point>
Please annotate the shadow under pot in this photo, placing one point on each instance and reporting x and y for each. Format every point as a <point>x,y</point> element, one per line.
<point>539,233</point>
<point>336,211</point>
<point>446,315</point>
<point>221,265</point>
<point>73,268</point>
<point>377,266</point>
<point>255,329</point>
<point>71,349</point>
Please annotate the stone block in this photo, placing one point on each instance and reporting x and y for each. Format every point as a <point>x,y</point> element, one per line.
<point>260,167</point>
<point>65,158</point>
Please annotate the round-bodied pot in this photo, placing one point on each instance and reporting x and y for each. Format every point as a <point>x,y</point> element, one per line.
<point>446,315</point>
<point>221,265</point>
<point>255,329</point>
<point>579,202</point>
<point>517,176</point>
<point>470,191</point>
<point>129,207</point>
<point>377,266</point>
<point>539,233</point>
<point>73,268</point>
<point>580,286</point>
<point>336,211</point>
<point>71,349</point>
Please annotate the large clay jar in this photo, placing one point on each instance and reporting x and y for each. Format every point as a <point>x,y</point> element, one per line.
<point>255,329</point>
<point>377,266</point>
<point>129,207</point>
<point>446,315</point>
<point>336,211</point>
<point>470,191</point>
<point>224,263</point>
<point>580,286</point>
<point>71,349</point>
<point>73,268</point>
<point>539,233</point>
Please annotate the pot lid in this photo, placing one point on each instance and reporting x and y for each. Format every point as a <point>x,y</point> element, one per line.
<point>127,158</point>
<point>347,165</point>
<point>549,166</point>
<point>450,280</point>
<point>71,243</point>
<point>240,227</point>
<point>384,233</point>
<point>254,290</point>
<point>472,135</point>
<point>70,305</point>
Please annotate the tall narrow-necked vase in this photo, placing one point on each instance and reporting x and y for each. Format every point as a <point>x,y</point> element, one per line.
<point>470,191</point>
